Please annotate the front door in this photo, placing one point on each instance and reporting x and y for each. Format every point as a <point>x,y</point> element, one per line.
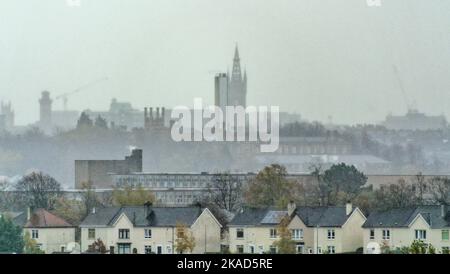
<point>299,248</point>
<point>159,249</point>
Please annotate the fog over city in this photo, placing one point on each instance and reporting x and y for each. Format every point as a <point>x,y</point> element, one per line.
<point>316,58</point>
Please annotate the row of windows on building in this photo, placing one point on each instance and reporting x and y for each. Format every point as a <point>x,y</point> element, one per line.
<point>299,249</point>
<point>297,234</point>
<point>148,249</point>
<point>419,234</point>
<point>125,233</point>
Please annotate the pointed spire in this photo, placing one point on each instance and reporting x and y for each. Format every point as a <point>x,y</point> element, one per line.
<point>236,72</point>
<point>236,53</point>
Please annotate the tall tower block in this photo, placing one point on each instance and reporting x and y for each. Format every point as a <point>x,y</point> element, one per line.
<point>45,114</point>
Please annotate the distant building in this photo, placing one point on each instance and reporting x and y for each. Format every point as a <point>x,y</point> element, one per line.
<point>6,116</point>
<point>45,112</point>
<point>415,120</point>
<point>97,171</point>
<point>231,90</point>
<point>120,114</point>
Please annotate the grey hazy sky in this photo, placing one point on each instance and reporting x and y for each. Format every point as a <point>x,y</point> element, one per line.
<point>314,57</point>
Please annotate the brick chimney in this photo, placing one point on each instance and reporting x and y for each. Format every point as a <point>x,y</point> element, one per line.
<point>348,208</point>
<point>291,207</point>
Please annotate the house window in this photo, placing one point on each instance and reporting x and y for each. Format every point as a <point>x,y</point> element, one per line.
<point>319,250</point>
<point>63,249</point>
<point>331,249</point>
<point>273,249</point>
<point>35,234</point>
<point>124,248</point>
<point>331,234</point>
<point>446,250</point>
<point>445,235</point>
<point>240,233</point>
<point>261,249</point>
<point>91,233</point>
<point>124,234</point>
<point>297,234</point>
<point>299,249</point>
<point>421,234</point>
<point>159,249</point>
<point>372,234</point>
<point>386,234</point>
<point>169,249</point>
<point>240,249</point>
<point>273,233</point>
<point>147,233</point>
<point>148,249</point>
<point>251,249</point>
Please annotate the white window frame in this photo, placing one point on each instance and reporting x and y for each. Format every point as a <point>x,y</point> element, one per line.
<point>319,250</point>
<point>89,233</point>
<point>331,249</point>
<point>386,234</point>
<point>145,249</point>
<point>34,234</point>
<point>169,249</point>
<point>237,232</point>
<point>420,234</point>
<point>297,234</point>
<point>251,249</point>
<point>273,233</point>
<point>331,234</point>
<point>372,234</point>
<point>148,233</point>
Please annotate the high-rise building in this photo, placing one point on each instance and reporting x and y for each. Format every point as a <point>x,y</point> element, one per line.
<point>231,90</point>
<point>7,114</point>
<point>45,112</point>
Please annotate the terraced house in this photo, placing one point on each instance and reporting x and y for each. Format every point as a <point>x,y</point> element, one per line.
<point>399,227</point>
<point>314,229</point>
<point>147,229</point>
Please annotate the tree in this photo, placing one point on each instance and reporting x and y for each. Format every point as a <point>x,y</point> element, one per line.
<point>400,194</point>
<point>225,192</point>
<point>30,246</point>
<point>97,247</point>
<point>70,210</point>
<point>84,122</point>
<point>285,244</point>
<point>38,190</point>
<point>420,185</point>
<point>270,188</point>
<point>185,239</point>
<point>89,197</point>
<point>100,122</point>
<point>440,190</point>
<point>11,239</point>
<point>345,179</point>
<point>132,196</point>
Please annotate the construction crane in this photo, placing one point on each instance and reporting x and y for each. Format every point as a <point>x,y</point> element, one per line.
<point>410,106</point>
<point>65,96</point>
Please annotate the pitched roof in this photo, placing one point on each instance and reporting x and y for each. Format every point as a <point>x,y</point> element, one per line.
<point>322,216</point>
<point>402,217</point>
<point>40,218</point>
<point>257,216</point>
<point>159,216</point>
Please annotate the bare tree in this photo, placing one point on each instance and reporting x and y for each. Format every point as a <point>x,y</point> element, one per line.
<point>38,190</point>
<point>440,190</point>
<point>420,186</point>
<point>225,192</point>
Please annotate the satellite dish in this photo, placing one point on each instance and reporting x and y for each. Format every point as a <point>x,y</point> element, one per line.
<point>73,248</point>
<point>373,248</point>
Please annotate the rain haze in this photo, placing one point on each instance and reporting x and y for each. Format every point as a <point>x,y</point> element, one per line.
<point>317,58</point>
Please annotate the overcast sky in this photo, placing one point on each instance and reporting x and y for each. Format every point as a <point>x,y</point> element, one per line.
<point>314,57</point>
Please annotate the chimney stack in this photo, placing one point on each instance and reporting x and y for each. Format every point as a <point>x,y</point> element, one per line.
<point>94,210</point>
<point>291,207</point>
<point>348,208</point>
<point>28,213</point>
<point>443,210</point>
<point>148,208</point>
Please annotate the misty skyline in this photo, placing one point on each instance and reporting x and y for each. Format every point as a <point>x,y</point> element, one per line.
<point>316,58</point>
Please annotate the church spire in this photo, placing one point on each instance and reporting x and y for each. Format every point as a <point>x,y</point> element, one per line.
<point>236,73</point>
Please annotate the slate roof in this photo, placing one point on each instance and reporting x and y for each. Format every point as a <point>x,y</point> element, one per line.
<point>257,216</point>
<point>159,216</point>
<point>40,218</point>
<point>323,216</point>
<point>402,217</point>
